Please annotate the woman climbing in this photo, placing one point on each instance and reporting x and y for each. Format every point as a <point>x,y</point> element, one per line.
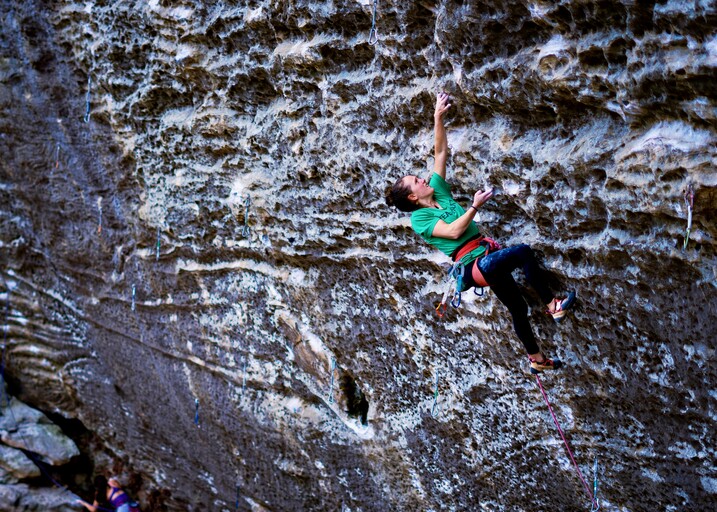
<point>444,224</point>
<point>108,496</point>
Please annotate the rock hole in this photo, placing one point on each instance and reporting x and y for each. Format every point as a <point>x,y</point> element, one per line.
<point>119,391</point>
<point>356,403</point>
<point>593,58</point>
<point>575,256</point>
<point>679,174</point>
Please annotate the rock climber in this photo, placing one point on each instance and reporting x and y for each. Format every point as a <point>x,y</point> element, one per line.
<point>445,225</point>
<point>108,496</point>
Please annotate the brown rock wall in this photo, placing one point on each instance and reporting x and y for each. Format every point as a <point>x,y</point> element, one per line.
<point>138,279</point>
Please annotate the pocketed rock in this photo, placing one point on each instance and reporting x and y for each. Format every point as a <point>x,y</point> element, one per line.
<point>195,248</point>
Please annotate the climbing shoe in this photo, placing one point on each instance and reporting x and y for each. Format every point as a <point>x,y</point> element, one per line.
<point>546,364</point>
<point>562,307</point>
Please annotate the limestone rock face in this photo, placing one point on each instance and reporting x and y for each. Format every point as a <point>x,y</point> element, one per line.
<point>22,497</point>
<point>17,464</point>
<point>198,263</point>
<point>28,429</point>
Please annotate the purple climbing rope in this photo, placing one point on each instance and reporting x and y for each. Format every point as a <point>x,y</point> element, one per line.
<point>567,447</point>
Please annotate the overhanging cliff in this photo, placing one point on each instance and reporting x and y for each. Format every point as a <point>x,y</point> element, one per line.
<point>199,266</point>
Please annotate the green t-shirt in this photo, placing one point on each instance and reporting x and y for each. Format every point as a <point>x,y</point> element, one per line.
<point>424,220</point>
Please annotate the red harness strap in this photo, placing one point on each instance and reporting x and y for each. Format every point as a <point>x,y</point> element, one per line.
<point>470,245</point>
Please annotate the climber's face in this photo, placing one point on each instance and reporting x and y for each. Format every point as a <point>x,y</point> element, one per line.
<point>419,188</point>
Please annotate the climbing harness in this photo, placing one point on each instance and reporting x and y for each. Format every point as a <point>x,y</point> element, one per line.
<point>596,505</point>
<point>454,280</point>
<point>690,201</point>
<point>159,242</point>
<point>373,33</point>
<point>245,231</point>
<point>134,294</point>
<point>434,413</point>
<point>196,412</point>
<point>87,98</point>
<point>593,500</point>
<point>331,385</point>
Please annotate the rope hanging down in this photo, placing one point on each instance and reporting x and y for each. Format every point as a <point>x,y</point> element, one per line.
<point>567,447</point>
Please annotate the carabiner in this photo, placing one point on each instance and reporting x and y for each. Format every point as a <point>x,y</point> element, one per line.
<point>246,230</point>
<point>456,300</point>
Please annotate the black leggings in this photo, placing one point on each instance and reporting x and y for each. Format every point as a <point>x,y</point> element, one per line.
<point>496,269</point>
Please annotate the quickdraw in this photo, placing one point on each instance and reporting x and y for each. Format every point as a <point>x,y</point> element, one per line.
<point>373,33</point>
<point>245,231</point>
<point>454,285</point>
<point>596,504</point>
<point>87,98</point>
<point>99,219</point>
<point>331,385</point>
<point>690,201</point>
<point>434,413</point>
